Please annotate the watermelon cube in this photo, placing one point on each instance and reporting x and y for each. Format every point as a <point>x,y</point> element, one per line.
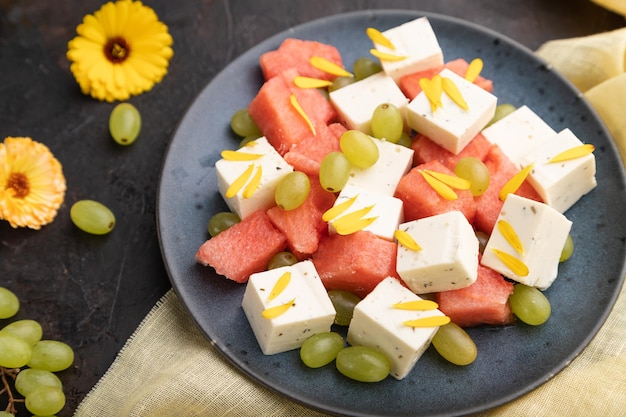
<point>303,226</point>
<point>279,120</point>
<point>410,86</point>
<point>244,248</point>
<point>488,205</point>
<point>426,150</point>
<point>421,200</point>
<point>485,302</point>
<point>355,262</point>
<point>296,54</point>
<point>307,155</point>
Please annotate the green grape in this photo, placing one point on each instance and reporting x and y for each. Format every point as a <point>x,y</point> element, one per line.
<point>242,124</point>
<point>454,344</point>
<point>292,190</point>
<point>27,330</point>
<point>334,172</point>
<point>340,82</point>
<point>344,303</point>
<point>243,142</point>
<point>502,110</point>
<point>405,140</point>
<point>7,414</point>
<point>282,259</point>
<point>45,401</point>
<point>9,303</point>
<point>14,352</point>
<point>363,67</point>
<point>475,171</point>
<point>568,249</point>
<point>359,148</point>
<point>222,221</point>
<point>529,305</point>
<point>29,379</point>
<point>362,363</point>
<point>51,355</point>
<point>125,123</point>
<point>321,349</point>
<point>387,123</point>
<point>92,217</point>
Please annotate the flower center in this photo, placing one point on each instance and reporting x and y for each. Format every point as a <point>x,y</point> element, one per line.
<point>117,49</point>
<point>19,183</point>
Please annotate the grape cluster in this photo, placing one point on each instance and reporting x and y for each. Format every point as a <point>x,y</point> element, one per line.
<point>22,346</point>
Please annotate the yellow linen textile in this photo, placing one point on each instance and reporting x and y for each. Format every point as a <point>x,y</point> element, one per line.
<point>167,368</point>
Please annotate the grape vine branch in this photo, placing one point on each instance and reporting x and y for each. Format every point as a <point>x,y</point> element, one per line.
<point>5,374</point>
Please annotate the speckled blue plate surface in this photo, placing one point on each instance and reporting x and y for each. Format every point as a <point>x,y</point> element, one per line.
<point>512,360</point>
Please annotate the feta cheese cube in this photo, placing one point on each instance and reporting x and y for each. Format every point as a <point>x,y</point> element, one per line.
<point>451,126</point>
<point>561,184</point>
<point>448,258</point>
<point>542,232</point>
<point>356,102</point>
<point>519,133</point>
<point>311,311</point>
<point>393,163</point>
<point>378,324</point>
<point>386,210</point>
<point>273,168</point>
<point>417,42</point>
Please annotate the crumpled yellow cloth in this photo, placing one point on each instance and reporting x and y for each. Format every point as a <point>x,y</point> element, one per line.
<point>167,368</point>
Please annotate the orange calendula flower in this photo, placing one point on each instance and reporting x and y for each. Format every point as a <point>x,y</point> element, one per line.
<point>32,185</point>
<point>123,49</point>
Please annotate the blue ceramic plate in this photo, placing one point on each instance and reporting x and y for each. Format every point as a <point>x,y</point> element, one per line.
<point>511,360</point>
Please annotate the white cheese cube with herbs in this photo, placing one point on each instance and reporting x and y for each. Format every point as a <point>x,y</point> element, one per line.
<point>519,133</point>
<point>308,309</point>
<point>377,322</point>
<point>527,241</point>
<point>416,43</point>
<point>394,161</point>
<point>376,213</point>
<point>447,258</point>
<point>256,159</point>
<point>355,103</point>
<point>450,125</point>
<point>562,183</point>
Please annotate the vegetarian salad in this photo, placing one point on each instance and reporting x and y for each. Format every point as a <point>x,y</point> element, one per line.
<point>399,199</point>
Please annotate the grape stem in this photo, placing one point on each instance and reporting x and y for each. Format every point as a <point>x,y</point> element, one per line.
<point>6,388</point>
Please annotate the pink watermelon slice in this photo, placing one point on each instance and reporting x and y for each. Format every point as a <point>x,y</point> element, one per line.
<point>303,226</point>
<point>296,54</point>
<point>409,84</point>
<point>488,205</point>
<point>484,302</point>
<point>421,200</point>
<point>244,248</point>
<point>277,118</point>
<point>355,262</point>
<point>426,150</point>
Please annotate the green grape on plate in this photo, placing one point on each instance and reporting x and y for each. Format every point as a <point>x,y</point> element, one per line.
<point>334,171</point>
<point>359,148</point>
<point>292,190</point>
<point>321,349</point>
<point>387,123</point>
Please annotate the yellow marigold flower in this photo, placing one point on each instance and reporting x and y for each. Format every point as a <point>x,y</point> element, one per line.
<point>123,49</point>
<point>32,185</point>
